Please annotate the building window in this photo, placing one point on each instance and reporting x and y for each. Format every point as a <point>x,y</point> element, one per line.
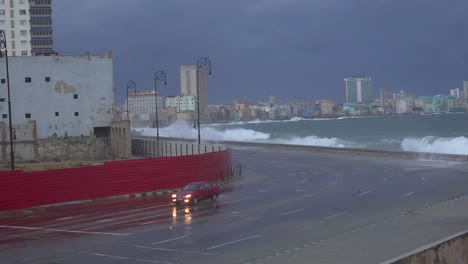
<point>23,32</point>
<point>13,46</point>
<point>2,22</point>
<point>2,12</point>
<point>75,96</point>
<point>47,79</point>
<point>21,2</point>
<point>56,113</point>
<point>2,100</point>
<point>12,13</point>
<point>27,79</point>
<point>24,43</point>
<point>3,80</point>
<point>2,2</point>
<point>12,34</point>
<point>24,53</point>
<point>12,23</point>
<point>27,115</point>
<point>22,12</point>
<point>76,114</point>
<point>22,22</point>
<point>4,116</point>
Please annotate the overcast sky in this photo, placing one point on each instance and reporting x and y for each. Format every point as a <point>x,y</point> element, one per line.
<point>293,49</point>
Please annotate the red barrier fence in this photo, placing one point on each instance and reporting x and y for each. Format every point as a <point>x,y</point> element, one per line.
<point>19,190</point>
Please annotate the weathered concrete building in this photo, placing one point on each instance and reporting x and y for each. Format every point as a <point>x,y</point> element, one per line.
<point>65,95</point>
<point>61,97</point>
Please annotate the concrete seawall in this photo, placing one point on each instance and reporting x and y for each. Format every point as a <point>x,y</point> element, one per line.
<point>453,249</point>
<point>345,151</point>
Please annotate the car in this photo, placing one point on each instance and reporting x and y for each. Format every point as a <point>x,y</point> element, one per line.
<point>194,192</point>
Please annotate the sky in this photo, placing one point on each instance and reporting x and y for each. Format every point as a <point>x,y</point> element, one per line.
<point>292,49</point>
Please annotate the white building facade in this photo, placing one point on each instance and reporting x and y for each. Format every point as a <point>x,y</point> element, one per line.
<point>143,105</point>
<point>65,95</point>
<point>15,22</point>
<point>182,103</point>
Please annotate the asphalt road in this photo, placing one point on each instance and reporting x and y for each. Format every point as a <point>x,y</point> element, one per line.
<point>289,207</point>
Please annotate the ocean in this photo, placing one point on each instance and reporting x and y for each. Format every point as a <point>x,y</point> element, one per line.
<point>436,133</point>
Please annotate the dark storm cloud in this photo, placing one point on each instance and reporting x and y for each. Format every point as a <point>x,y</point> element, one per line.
<point>295,49</point>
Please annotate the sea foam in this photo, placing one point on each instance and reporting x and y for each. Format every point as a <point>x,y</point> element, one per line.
<point>445,145</point>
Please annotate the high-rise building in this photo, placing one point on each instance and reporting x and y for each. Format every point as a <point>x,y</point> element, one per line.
<point>40,12</point>
<point>188,85</point>
<point>455,92</point>
<point>14,20</point>
<point>28,26</point>
<point>465,89</point>
<point>358,89</point>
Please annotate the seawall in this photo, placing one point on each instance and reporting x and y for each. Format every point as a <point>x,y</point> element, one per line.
<point>344,151</point>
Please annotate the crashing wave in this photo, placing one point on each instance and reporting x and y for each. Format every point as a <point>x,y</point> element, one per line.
<point>444,145</point>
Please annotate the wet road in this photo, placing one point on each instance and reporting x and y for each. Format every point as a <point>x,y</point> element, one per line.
<point>289,206</point>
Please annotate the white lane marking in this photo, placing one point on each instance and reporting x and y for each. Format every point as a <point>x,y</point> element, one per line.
<point>422,178</point>
<point>385,179</point>
<point>50,261</point>
<point>126,258</point>
<point>264,190</point>
<point>173,250</point>
<point>299,190</point>
<point>168,240</point>
<point>233,242</point>
<point>239,200</point>
<point>364,193</point>
<point>153,216</point>
<point>303,173</point>
<point>316,172</point>
<point>147,223</point>
<point>335,215</point>
<point>64,218</point>
<point>107,215</point>
<point>63,230</point>
<point>292,212</point>
<point>105,220</point>
<point>408,194</point>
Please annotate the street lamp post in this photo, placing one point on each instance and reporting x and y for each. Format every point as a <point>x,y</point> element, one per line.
<point>204,64</point>
<point>3,47</point>
<point>161,76</point>
<point>131,85</point>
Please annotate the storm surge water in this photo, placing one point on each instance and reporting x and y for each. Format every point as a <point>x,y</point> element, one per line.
<point>444,133</point>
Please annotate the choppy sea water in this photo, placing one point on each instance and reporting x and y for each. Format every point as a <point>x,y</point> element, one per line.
<point>437,133</point>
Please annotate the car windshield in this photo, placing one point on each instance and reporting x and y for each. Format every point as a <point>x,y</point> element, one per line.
<point>191,187</point>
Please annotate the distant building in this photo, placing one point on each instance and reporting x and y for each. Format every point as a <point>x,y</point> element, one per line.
<point>358,89</point>
<point>143,105</point>
<point>40,12</point>
<point>182,103</point>
<point>14,20</point>
<point>188,86</point>
<point>465,89</point>
<point>386,100</point>
<point>64,95</point>
<point>28,26</point>
<point>327,107</point>
<point>455,92</point>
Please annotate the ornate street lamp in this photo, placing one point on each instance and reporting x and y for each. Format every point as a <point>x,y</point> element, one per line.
<point>161,76</point>
<point>204,64</point>
<point>4,52</point>
<point>131,85</point>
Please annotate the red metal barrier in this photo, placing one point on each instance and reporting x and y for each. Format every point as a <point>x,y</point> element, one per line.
<point>21,190</point>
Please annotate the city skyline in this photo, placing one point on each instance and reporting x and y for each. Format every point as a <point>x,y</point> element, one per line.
<point>261,48</point>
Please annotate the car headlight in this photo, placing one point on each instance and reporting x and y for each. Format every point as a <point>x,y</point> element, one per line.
<point>188,196</point>
<point>174,195</point>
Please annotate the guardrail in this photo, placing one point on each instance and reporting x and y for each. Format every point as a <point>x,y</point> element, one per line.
<point>149,147</point>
